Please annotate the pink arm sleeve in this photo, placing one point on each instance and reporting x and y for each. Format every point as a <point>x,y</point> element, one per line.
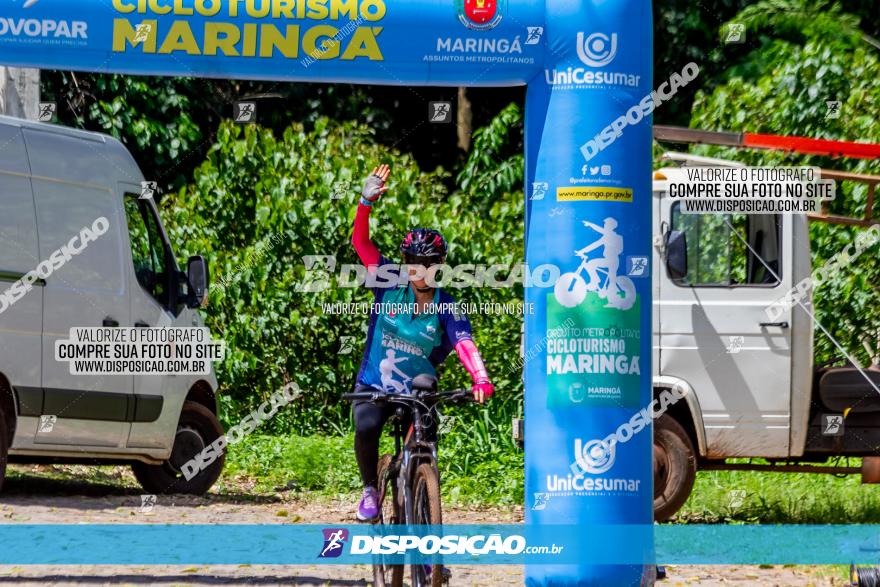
<point>470,358</point>
<point>360,237</point>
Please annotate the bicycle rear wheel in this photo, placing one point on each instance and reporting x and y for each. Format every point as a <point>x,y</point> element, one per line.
<point>426,511</point>
<point>386,575</point>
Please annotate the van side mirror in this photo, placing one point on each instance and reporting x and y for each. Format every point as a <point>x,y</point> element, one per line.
<point>197,275</point>
<point>675,246</point>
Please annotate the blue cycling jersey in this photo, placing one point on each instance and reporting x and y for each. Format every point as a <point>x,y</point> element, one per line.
<point>402,344</point>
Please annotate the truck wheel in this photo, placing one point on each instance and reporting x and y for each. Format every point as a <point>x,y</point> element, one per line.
<point>675,467</point>
<point>4,447</point>
<point>198,428</point>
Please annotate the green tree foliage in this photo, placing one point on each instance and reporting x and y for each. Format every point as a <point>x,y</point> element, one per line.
<point>810,53</point>
<point>258,204</point>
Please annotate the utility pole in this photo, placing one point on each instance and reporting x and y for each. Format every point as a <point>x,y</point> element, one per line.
<point>20,92</point>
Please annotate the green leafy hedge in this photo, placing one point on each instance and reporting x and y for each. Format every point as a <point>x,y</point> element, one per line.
<point>259,203</point>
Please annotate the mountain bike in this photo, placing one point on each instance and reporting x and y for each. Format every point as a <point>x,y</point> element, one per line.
<point>409,482</point>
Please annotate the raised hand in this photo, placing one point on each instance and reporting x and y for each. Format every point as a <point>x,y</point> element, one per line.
<point>374,185</point>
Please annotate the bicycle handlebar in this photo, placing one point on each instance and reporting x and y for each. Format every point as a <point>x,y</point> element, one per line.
<point>416,395</point>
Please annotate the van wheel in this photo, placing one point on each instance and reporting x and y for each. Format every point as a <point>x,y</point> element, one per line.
<point>4,447</point>
<point>198,428</point>
<point>675,467</point>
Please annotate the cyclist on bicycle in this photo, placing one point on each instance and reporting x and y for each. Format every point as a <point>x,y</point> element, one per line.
<point>403,344</point>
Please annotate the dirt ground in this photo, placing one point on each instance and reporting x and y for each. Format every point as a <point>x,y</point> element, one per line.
<point>75,495</point>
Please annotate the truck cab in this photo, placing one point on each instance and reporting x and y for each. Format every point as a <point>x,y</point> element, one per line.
<point>750,386</point>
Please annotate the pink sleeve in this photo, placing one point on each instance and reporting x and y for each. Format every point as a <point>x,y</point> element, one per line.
<point>360,237</point>
<point>470,358</point>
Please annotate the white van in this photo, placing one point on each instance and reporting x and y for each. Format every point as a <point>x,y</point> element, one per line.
<point>54,182</point>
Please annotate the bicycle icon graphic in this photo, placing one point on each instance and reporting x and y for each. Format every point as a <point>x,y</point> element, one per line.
<point>601,272</point>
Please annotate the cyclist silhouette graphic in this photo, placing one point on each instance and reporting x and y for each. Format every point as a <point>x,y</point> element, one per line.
<point>618,290</point>
<point>388,368</point>
<point>613,246</point>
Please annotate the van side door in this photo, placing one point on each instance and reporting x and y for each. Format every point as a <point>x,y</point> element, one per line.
<point>21,311</point>
<point>88,290</point>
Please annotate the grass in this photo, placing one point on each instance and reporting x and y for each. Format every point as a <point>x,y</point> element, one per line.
<point>494,475</point>
<point>780,498</point>
<point>479,462</point>
<point>326,465</point>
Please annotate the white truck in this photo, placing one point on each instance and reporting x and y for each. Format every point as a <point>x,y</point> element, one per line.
<point>753,388</point>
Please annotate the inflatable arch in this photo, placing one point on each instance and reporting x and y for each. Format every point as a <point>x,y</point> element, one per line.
<point>587,64</point>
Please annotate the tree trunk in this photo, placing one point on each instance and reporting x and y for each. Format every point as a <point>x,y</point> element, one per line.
<point>464,120</point>
<point>20,92</point>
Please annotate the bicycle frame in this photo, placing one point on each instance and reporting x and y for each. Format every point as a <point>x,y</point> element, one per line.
<point>410,450</point>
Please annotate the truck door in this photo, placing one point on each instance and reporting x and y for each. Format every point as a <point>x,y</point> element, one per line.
<point>86,291</point>
<point>716,335</point>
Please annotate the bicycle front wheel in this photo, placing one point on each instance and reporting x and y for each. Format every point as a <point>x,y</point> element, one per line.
<point>386,575</point>
<point>426,511</point>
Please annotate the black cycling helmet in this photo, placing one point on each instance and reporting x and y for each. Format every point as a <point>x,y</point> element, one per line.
<point>424,243</point>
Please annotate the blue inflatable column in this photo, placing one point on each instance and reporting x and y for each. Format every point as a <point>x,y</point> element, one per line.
<point>588,345</point>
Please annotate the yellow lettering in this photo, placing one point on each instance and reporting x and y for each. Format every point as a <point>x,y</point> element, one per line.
<point>123,8</point>
<point>222,36</point>
<point>282,8</point>
<point>347,8</point>
<point>233,7</point>
<point>216,5</point>
<point>180,38</point>
<point>363,44</point>
<point>181,10</point>
<point>373,10</point>
<point>249,47</point>
<point>271,39</point>
<point>318,9</point>
<point>124,34</point>
<point>265,5</point>
<point>326,49</point>
<point>157,7</point>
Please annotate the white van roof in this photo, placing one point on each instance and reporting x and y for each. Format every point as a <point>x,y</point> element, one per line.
<point>53,128</point>
<point>55,151</point>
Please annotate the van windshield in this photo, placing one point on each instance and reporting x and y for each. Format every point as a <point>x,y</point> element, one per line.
<point>147,251</point>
